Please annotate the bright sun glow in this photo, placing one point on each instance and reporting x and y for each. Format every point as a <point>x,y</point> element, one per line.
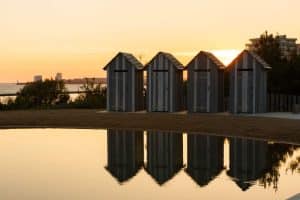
<point>226,55</point>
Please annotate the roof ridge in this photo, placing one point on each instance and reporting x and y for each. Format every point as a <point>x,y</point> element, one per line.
<point>255,56</point>
<point>211,56</point>
<point>171,58</point>
<point>130,57</point>
<point>260,59</point>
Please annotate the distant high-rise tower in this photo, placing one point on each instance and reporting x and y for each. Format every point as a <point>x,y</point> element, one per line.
<point>288,46</point>
<point>37,78</point>
<point>58,77</point>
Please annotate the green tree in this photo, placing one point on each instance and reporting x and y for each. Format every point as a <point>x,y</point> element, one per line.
<point>268,48</point>
<point>41,94</point>
<point>285,74</point>
<point>94,96</point>
<point>277,156</point>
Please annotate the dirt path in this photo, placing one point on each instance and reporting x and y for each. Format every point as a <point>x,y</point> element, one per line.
<point>258,127</point>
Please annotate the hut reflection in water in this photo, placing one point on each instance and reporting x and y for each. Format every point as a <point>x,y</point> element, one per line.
<point>205,157</point>
<point>164,155</point>
<point>125,153</point>
<point>248,161</point>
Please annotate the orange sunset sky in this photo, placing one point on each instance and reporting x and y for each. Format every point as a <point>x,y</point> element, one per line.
<point>77,38</point>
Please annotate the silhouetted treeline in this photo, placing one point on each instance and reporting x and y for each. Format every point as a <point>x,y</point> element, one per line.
<point>94,96</point>
<point>277,156</point>
<point>53,94</point>
<point>285,74</point>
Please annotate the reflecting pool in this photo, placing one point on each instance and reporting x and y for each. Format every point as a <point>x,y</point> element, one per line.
<point>129,164</point>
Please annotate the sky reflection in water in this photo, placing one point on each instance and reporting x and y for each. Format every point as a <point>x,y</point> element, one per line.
<point>126,164</point>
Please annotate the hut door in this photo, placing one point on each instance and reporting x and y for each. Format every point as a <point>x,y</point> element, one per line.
<point>203,90</point>
<point>120,90</point>
<point>162,90</point>
<point>245,89</point>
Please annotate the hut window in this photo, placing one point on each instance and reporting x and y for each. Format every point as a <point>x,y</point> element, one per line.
<point>202,70</point>
<point>246,69</point>
<point>120,70</point>
<point>160,70</point>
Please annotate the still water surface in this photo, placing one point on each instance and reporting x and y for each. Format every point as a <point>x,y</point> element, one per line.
<point>123,164</point>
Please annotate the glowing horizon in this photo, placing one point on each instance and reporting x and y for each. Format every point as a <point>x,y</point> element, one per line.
<point>224,55</point>
<point>78,39</point>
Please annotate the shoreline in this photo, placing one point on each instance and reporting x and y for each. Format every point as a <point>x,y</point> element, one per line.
<point>274,129</point>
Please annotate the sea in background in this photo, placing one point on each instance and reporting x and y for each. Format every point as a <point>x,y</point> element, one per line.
<point>8,88</point>
<point>11,88</point>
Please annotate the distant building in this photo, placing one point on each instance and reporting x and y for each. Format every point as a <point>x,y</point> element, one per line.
<point>37,78</point>
<point>248,84</point>
<point>288,46</point>
<point>164,84</point>
<point>58,77</point>
<point>205,84</point>
<point>124,84</point>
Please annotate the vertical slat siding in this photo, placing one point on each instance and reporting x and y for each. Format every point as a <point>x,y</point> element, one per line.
<point>149,89</point>
<point>117,92</point>
<point>124,89</point>
<point>127,88</point>
<point>108,90</point>
<point>231,101</point>
<point>221,91</point>
<point>205,88</point>
<point>164,88</point>
<point>245,85</point>
<point>124,149</point>
<point>132,100</point>
<point>124,82</point>
<point>248,89</point>
<point>190,88</point>
<point>195,85</point>
<point>154,95</point>
<point>199,156</point>
<point>282,102</point>
<point>164,149</point>
<point>171,97</point>
<point>247,159</point>
<point>166,77</point>
<point>254,106</point>
<point>235,101</point>
<point>140,91</point>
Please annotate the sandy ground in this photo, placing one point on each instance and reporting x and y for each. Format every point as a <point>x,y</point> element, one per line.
<point>281,115</point>
<point>284,130</point>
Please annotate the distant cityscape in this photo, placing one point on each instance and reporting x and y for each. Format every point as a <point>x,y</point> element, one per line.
<point>59,77</point>
<point>288,47</point>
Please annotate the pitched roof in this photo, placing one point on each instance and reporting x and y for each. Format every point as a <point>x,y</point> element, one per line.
<point>202,176</point>
<point>170,57</point>
<point>130,58</point>
<point>211,56</point>
<point>255,56</point>
<point>162,174</point>
<point>123,173</point>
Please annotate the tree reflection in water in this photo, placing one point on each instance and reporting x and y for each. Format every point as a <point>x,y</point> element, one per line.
<point>251,161</point>
<point>277,155</point>
<point>294,165</point>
